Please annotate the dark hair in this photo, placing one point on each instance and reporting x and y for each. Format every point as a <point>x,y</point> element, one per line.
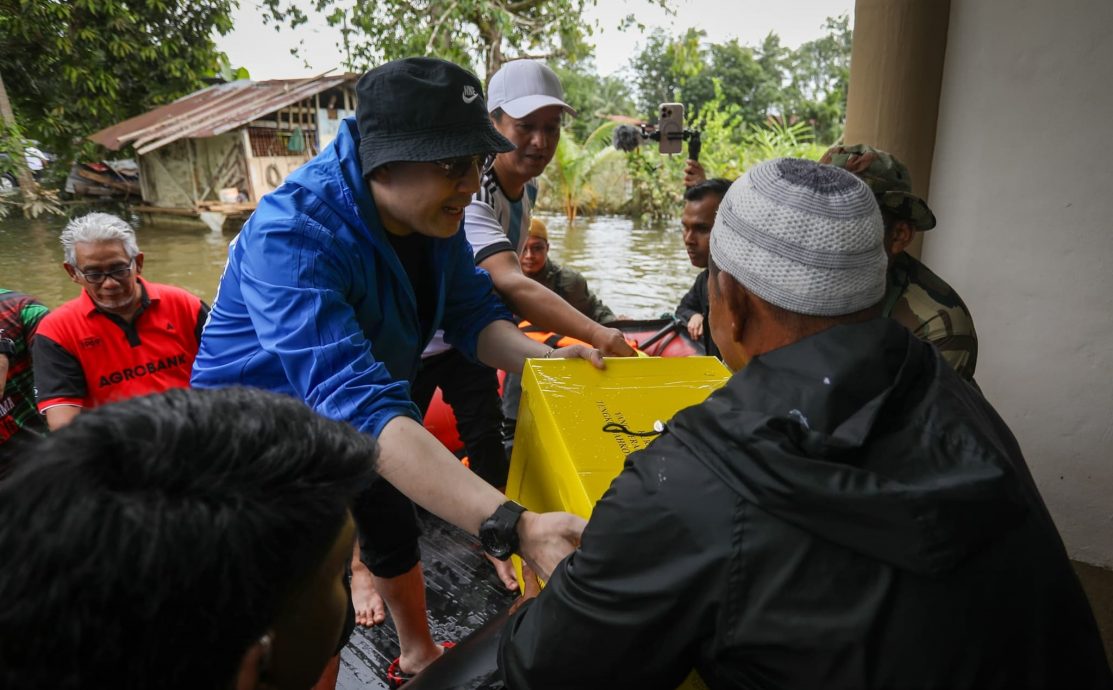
<point>150,542</point>
<point>716,185</point>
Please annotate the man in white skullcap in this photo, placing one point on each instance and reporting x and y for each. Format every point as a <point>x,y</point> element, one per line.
<point>846,512</point>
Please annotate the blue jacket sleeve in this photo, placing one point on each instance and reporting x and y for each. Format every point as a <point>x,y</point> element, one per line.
<point>295,276</point>
<point>471,302</point>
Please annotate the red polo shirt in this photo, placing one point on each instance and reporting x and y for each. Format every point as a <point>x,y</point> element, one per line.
<point>86,357</point>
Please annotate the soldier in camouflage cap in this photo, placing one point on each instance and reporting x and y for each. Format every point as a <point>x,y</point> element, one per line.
<point>887,177</point>
<point>916,298</point>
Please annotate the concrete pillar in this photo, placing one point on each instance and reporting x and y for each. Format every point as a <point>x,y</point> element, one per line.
<point>896,69</point>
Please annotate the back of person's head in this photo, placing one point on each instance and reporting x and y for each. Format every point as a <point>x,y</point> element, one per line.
<point>97,227</point>
<point>804,237</point>
<point>716,186</point>
<point>152,542</point>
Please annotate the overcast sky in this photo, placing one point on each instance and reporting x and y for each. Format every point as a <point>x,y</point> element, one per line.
<point>265,52</point>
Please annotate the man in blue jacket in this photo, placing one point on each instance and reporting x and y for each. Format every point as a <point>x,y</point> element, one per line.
<point>335,285</point>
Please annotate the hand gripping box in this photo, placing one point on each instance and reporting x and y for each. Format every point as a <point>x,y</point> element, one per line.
<point>577,424</point>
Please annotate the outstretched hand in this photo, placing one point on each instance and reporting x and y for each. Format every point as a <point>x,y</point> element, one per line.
<point>531,590</point>
<point>581,351</point>
<point>545,539</point>
<point>612,343</point>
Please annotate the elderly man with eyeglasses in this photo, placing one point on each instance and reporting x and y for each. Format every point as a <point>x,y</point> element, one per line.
<point>122,337</point>
<point>336,284</point>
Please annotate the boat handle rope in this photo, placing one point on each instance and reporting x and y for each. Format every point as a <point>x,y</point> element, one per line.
<point>616,428</point>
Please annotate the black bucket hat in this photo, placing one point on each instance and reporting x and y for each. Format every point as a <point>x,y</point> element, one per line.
<point>422,109</point>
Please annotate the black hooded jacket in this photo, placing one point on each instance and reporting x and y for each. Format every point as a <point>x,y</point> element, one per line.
<point>845,513</point>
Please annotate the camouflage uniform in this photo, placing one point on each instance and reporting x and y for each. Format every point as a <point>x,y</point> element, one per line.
<point>920,301</point>
<point>916,298</point>
<point>20,422</point>
<point>572,288</point>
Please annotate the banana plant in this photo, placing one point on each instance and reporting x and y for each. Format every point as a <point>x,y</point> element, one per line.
<point>570,174</point>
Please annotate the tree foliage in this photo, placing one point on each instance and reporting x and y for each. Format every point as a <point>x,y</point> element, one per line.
<point>820,78</point>
<point>807,84</point>
<point>731,146</point>
<point>479,34</point>
<point>75,66</point>
<point>595,98</point>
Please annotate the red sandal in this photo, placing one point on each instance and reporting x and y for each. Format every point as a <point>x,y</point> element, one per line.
<point>396,677</point>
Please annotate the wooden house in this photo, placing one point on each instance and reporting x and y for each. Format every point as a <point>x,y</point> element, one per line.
<point>214,153</point>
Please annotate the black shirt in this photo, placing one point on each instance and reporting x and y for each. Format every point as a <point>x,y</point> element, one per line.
<point>415,253</point>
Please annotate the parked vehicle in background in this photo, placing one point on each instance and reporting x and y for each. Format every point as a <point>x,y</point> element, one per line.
<point>36,160</point>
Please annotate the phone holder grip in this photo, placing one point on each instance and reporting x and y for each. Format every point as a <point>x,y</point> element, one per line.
<point>695,143</point>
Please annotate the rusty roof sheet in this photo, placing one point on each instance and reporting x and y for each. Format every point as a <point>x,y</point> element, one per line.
<point>211,111</point>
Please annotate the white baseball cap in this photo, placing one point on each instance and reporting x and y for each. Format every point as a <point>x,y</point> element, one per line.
<point>522,86</point>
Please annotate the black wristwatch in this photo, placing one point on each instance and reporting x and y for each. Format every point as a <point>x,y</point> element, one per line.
<point>7,345</point>
<point>499,533</point>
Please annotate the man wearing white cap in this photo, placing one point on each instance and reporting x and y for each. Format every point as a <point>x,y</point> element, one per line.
<point>846,512</point>
<point>525,100</point>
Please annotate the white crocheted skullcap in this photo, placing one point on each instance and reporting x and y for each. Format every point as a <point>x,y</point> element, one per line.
<point>802,236</point>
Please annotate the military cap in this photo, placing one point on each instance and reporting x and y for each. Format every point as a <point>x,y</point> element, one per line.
<point>887,177</point>
<point>537,228</point>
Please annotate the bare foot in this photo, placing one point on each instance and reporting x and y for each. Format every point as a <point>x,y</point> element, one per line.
<point>505,571</point>
<point>416,663</point>
<point>370,610</point>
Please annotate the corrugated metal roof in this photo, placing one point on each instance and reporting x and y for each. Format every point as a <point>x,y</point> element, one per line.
<point>211,111</point>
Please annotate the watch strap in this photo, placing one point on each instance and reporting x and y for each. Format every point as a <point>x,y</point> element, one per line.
<point>499,533</point>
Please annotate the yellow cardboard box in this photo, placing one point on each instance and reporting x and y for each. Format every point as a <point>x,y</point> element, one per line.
<point>569,443</point>
<point>577,424</point>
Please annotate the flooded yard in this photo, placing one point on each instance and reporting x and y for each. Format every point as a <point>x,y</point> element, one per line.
<point>641,272</point>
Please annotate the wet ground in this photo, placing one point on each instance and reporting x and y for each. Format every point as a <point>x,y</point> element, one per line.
<point>462,593</point>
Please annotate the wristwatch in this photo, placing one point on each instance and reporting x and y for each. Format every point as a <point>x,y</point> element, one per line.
<point>7,345</point>
<point>499,533</point>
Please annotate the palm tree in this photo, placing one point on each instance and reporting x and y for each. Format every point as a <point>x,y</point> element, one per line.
<point>570,173</point>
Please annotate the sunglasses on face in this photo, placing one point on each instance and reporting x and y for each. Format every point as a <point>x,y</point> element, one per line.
<point>455,168</point>
<point>97,277</point>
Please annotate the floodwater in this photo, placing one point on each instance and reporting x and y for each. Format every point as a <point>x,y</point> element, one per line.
<point>640,272</point>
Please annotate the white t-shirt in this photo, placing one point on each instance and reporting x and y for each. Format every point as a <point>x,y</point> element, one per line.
<point>493,223</point>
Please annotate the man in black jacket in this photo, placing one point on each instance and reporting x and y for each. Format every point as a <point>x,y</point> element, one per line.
<point>845,513</point>
<point>701,202</point>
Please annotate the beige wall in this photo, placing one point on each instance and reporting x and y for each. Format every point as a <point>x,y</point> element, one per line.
<point>166,176</point>
<point>284,165</point>
<point>185,171</point>
<point>1022,184</point>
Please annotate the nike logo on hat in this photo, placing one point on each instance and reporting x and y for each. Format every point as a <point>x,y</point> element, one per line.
<point>470,94</point>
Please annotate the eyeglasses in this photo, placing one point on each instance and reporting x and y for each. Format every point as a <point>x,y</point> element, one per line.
<point>455,168</point>
<point>97,277</point>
